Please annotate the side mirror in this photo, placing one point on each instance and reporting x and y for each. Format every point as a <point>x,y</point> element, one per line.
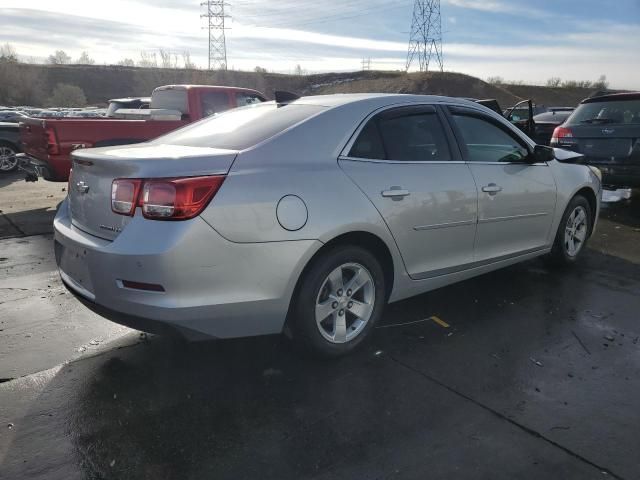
<point>542,154</point>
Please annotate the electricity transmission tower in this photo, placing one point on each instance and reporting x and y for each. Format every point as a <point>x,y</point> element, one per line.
<point>217,44</point>
<point>425,40</point>
<point>366,63</point>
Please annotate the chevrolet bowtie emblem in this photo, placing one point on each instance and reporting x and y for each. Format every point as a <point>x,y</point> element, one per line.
<point>82,187</point>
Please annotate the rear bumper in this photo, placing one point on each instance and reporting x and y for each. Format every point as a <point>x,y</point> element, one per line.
<point>35,168</point>
<point>212,287</point>
<point>618,175</point>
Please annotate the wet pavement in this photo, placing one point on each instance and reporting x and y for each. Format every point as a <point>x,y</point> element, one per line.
<point>527,372</point>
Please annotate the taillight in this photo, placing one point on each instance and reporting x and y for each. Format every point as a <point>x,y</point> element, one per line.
<point>124,195</point>
<point>562,134</point>
<point>164,199</point>
<point>52,142</point>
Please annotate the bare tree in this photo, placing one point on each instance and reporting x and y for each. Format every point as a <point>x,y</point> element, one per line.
<point>148,60</point>
<point>495,80</point>
<point>601,83</point>
<point>126,62</point>
<point>65,95</point>
<point>165,58</point>
<point>60,57</point>
<point>298,70</point>
<point>554,82</point>
<point>260,70</point>
<point>85,59</point>
<point>8,53</point>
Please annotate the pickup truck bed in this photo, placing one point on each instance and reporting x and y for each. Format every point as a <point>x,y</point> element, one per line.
<point>48,143</point>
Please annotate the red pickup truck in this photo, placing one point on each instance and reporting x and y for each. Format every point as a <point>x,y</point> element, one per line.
<point>47,143</point>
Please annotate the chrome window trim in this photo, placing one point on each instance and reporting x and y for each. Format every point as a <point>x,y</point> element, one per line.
<point>401,162</point>
<point>443,162</point>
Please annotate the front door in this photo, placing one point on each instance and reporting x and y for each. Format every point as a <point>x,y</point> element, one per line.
<point>516,198</point>
<point>403,161</point>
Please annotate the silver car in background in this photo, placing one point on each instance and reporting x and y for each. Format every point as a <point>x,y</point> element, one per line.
<point>309,216</point>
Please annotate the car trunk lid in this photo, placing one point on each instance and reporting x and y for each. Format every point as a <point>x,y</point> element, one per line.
<point>95,169</point>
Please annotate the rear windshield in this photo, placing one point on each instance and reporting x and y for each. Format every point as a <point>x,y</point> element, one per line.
<point>617,112</point>
<point>170,99</point>
<point>240,128</point>
<point>552,117</point>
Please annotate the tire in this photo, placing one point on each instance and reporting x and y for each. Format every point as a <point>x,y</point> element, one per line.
<point>321,292</point>
<point>573,233</point>
<point>8,160</point>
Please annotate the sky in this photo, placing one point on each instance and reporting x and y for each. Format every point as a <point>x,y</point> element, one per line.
<point>520,40</point>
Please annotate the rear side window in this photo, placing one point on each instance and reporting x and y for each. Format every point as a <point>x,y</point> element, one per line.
<point>240,128</point>
<point>414,137</point>
<point>244,99</point>
<point>170,99</point>
<point>616,112</point>
<point>214,102</point>
<point>487,142</point>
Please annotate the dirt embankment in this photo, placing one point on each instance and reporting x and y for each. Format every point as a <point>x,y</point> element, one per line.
<point>22,84</point>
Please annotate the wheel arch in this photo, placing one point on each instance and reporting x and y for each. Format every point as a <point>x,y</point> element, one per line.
<point>592,199</point>
<point>367,240</point>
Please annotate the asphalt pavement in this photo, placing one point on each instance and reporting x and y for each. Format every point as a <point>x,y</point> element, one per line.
<point>528,372</point>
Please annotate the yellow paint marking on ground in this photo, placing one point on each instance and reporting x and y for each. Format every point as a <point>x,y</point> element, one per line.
<point>440,322</point>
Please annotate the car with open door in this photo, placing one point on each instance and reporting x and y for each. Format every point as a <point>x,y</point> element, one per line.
<point>308,215</point>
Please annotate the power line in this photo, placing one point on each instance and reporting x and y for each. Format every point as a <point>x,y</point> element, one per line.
<point>217,42</point>
<point>425,39</point>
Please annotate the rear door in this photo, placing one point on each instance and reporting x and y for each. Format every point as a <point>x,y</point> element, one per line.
<point>403,160</point>
<point>516,199</point>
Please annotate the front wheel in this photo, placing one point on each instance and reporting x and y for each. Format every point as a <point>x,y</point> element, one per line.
<point>573,232</point>
<point>339,301</point>
<point>8,159</point>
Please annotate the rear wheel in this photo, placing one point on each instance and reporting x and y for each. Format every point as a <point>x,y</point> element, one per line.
<point>8,159</point>
<point>339,301</point>
<point>573,232</point>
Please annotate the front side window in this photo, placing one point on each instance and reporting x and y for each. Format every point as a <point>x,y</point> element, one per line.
<point>487,142</point>
<point>414,137</point>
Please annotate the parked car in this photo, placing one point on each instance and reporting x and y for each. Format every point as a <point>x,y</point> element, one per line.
<point>48,143</point>
<point>12,116</point>
<point>309,216</point>
<point>606,129</point>
<point>546,123</point>
<point>127,103</point>
<point>9,146</point>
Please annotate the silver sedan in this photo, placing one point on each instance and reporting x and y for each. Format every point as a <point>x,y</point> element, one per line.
<point>308,216</point>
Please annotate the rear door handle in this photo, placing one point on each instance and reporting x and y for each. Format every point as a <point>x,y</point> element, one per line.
<point>395,193</point>
<point>492,189</point>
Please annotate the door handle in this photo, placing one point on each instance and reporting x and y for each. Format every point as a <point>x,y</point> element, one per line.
<point>395,192</point>
<point>492,189</point>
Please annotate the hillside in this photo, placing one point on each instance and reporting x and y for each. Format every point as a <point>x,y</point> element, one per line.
<point>22,84</point>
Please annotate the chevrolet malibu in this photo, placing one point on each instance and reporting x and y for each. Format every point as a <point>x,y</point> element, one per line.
<point>307,216</point>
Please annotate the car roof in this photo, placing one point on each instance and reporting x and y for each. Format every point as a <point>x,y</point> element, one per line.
<point>205,87</point>
<point>613,97</point>
<point>381,99</point>
<point>131,99</point>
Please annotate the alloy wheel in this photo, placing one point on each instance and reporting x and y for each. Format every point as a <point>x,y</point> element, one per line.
<point>575,232</point>
<point>345,303</point>
<point>8,159</point>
